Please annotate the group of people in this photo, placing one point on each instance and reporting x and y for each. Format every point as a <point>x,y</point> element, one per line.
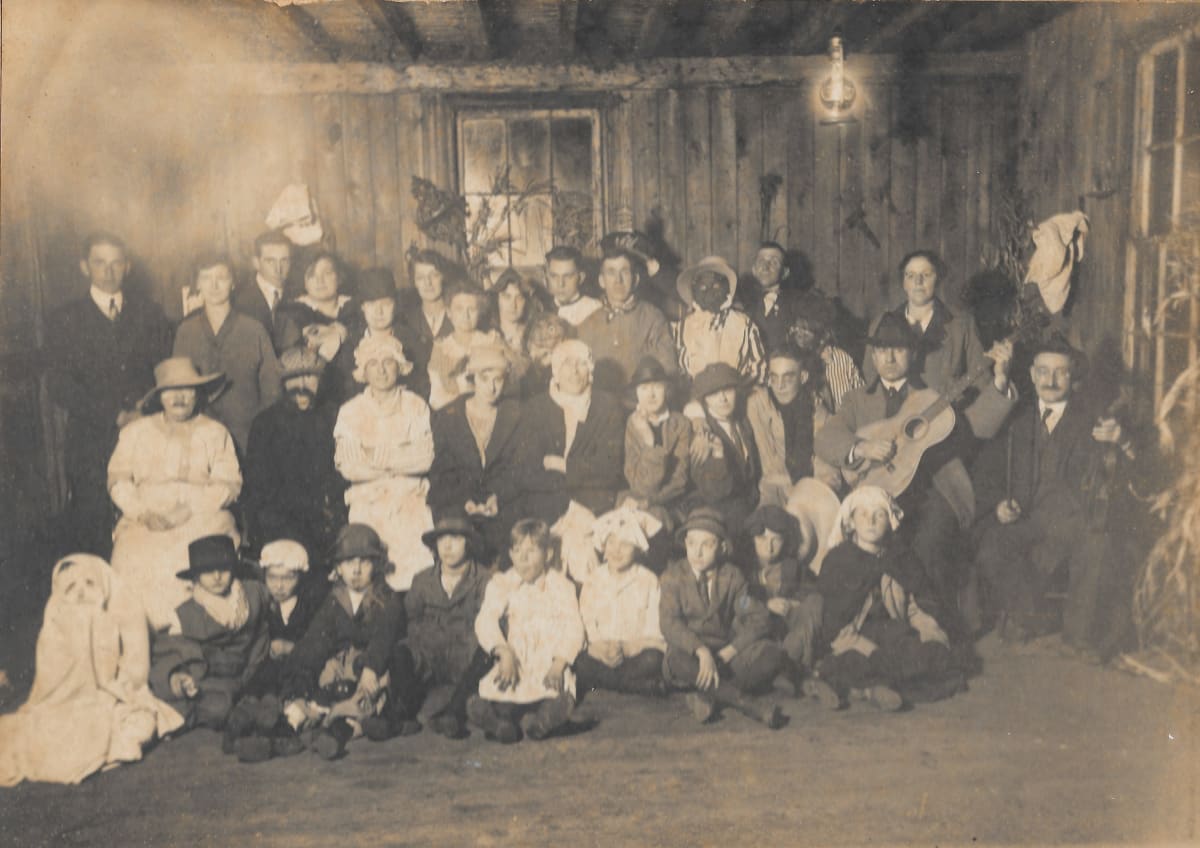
<point>327,505</point>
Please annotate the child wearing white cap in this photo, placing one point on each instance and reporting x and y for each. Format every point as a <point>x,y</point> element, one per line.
<point>619,605</point>
<point>256,729</point>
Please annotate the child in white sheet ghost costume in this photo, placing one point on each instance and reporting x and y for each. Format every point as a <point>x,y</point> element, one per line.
<point>384,448</point>
<point>90,707</point>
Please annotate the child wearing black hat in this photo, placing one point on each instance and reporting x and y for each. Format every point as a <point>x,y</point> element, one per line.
<point>657,440</point>
<point>787,588</point>
<point>218,639</point>
<point>441,608</point>
<point>716,632</point>
<point>725,464</point>
<point>340,672</point>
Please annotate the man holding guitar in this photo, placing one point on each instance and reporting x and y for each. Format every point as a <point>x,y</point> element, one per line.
<point>896,433</point>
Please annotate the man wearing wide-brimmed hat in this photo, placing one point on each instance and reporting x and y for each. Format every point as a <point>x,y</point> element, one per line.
<point>714,330</point>
<point>293,490</point>
<point>173,476</point>
<point>940,502</point>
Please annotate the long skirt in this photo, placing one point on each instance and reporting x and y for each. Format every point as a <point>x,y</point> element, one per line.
<point>395,508</point>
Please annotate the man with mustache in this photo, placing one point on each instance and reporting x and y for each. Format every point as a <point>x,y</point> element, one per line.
<point>293,490</point>
<point>1031,496</point>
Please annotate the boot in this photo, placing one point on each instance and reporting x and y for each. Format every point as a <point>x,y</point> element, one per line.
<point>484,716</point>
<point>331,741</point>
<point>550,715</point>
<point>815,687</point>
<point>255,748</point>
<point>285,741</point>
<point>239,723</point>
<point>730,696</point>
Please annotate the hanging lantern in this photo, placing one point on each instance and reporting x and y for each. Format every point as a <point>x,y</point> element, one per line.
<point>837,92</point>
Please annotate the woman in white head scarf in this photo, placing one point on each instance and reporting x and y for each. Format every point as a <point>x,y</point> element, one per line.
<point>90,707</point>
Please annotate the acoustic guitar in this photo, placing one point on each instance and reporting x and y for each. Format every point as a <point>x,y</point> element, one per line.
<point>926,418</point>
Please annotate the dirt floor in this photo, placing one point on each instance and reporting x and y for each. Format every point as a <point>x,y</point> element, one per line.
<point>1041,749</point>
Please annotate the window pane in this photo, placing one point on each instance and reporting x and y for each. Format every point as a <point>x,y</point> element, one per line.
<point>1162,178</point>
<point>573,155</point>
<point>1192,100</point>
<point>1189,187</point>
<point>483,154</point>
<point>529,153</point>
<point>1166,70</point>
<point>532,230</point>
<point>574,221</point>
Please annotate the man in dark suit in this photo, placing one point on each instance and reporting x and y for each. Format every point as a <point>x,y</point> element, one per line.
<point>774,299</point>
<point>1031,482</point>
<point>260,298</point>
<point>101,351</point>
<point>939,503</point>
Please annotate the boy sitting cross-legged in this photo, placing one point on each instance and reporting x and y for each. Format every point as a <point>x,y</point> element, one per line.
<point>716,632</point>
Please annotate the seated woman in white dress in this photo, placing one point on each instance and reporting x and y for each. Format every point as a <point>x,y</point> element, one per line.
<point>90,707</point>
<point>384,448</point>
<point>173,475</point>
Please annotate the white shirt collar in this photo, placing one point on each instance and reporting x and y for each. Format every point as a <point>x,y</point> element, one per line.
<point>286,608</point>
<point>268,290</point>
<point>102,299</point>
<point>895,386</point>
<point>770,298</point>
<point>356,598</point>
<point>923,320</point>
<point>1056,413</point>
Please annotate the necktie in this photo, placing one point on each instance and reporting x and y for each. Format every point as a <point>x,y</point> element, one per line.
<point>1046,413</point>
<point>704,595</point>
<point>113,311</point>
<point>275,297</point>
<point>769,301</point>
<point>893,399</point>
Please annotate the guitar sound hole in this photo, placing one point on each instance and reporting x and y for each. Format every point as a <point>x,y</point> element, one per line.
<point>914,428</point>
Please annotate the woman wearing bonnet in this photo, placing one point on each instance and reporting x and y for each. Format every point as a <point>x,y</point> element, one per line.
<point>90,707</point>
<point>384,448</point>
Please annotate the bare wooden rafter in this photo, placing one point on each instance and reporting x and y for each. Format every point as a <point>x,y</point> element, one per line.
<point>374,78</point>
<point>308,29</point>
<point>403,41</point>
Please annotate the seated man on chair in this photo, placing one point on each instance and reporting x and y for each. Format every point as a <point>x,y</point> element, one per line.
<point>1031,484</point>
<point>940,500</point>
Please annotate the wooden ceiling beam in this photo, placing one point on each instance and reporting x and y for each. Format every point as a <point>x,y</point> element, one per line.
<point>657,15</point>
<point>819,22</point>
<point>378,78</point>
<point>404,42</point>
<point>882,38</point>
<point>733,18</point>
<point>990,21</point>
<point>308,29</point>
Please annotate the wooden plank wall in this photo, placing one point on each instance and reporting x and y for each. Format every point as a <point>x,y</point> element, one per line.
<point>700,155</point>
<point>691,158</point>
<point>1076,137</point>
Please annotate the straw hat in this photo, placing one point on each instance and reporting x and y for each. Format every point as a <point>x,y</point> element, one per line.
<point>178,372</point>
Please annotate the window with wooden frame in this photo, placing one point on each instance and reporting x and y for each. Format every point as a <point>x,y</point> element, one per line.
<point>532,180</point>
<point>1162,308</point>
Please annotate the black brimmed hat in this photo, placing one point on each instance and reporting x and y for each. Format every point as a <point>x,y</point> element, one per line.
<point>714,378</point>
<point>209,553</point>
<point>376,284</point>
<point>893,331</point>
<point>453,524</point>
<point>357,540</point>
